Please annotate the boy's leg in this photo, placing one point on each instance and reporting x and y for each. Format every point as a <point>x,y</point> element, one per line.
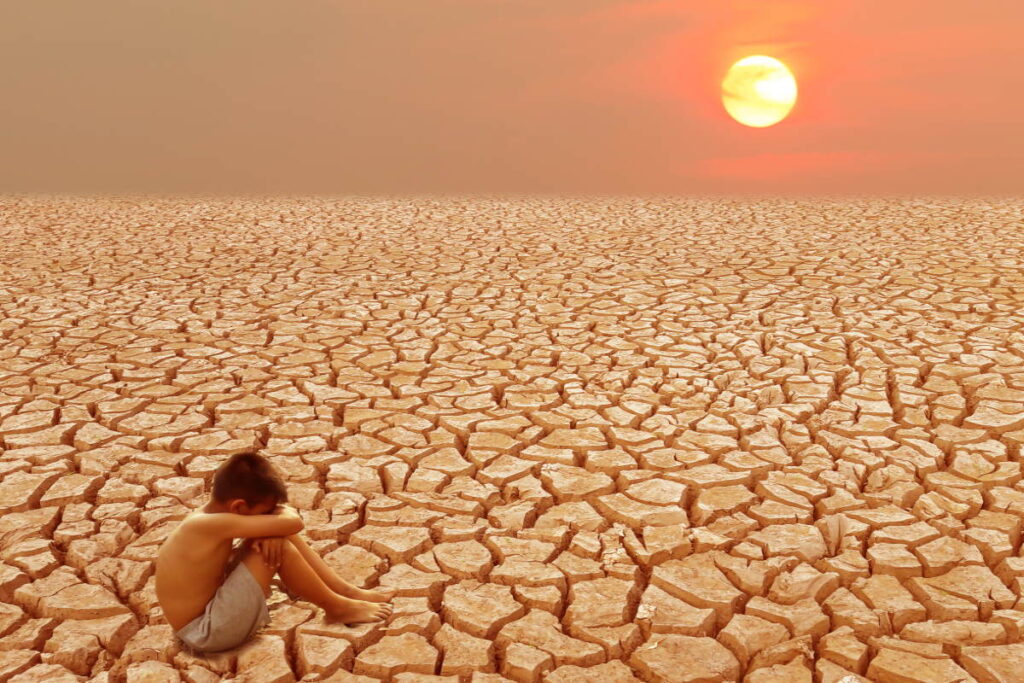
<point>328,575</point>
<point>261,571</point>
<point>302,580</point>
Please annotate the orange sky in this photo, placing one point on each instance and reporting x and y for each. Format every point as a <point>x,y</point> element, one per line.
<point>462,96</point>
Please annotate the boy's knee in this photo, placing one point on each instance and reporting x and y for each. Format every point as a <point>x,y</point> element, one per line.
<point>256,561</point>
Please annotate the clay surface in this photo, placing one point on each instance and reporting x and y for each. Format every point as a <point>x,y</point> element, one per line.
<point>586,439</point>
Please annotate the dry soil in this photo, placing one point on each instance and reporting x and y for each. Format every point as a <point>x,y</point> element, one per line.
<point>586,439</point>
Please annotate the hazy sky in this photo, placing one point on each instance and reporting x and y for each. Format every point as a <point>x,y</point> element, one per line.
<point>461,96</point>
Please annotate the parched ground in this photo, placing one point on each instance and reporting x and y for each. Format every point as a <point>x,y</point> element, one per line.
<point>586,439</point>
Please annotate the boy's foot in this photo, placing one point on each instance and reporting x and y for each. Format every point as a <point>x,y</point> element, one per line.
<point>359,612</point>
<point>374,596</point>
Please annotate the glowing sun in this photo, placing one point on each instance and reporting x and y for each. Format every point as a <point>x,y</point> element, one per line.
<point>758,91</point>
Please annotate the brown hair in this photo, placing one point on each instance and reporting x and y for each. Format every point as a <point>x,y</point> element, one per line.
<point>248,476</point>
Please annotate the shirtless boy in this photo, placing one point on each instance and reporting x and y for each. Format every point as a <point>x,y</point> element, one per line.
<point>215,600</point>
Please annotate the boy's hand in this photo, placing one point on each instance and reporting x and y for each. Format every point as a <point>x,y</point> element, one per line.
<point>271,548</point>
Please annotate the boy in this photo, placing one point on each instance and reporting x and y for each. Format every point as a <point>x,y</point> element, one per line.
<point>214,604</point>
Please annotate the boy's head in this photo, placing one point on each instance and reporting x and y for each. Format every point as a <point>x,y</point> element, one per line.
<point>247,484</point>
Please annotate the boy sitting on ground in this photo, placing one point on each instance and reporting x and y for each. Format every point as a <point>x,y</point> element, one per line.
<point>214,601</point>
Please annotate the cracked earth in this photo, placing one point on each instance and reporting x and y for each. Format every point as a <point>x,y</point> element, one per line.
<point>584,439</point>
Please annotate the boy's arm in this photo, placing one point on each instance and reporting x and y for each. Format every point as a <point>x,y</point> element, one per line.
<point>284,521</point>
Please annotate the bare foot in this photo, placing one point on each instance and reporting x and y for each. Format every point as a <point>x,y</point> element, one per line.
<point>374,596</point>
<point>359,611</point>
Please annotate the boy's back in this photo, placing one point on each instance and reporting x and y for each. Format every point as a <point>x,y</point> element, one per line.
<point>193,559</point>
<point>189,568</point>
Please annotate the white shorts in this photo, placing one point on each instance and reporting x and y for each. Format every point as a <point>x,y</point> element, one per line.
<point>235,612</point>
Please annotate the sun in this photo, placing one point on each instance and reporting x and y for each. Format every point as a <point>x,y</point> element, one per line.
<point>758,91</point>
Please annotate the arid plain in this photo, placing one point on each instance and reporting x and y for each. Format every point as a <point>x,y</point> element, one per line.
<point>585,439</point>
